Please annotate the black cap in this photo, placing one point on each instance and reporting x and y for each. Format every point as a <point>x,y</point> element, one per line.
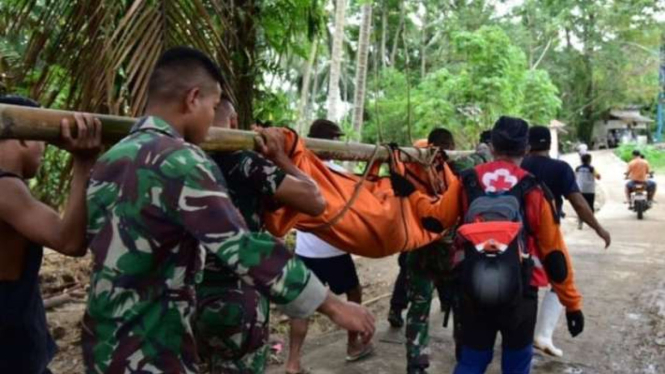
<point>540,138</point>
<point>510,136</point>
<point>324,129</point>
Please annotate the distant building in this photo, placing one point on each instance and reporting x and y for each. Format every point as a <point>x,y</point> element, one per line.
<point>620,126</point>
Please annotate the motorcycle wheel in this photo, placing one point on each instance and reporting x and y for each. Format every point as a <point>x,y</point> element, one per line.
<point>639,208</point>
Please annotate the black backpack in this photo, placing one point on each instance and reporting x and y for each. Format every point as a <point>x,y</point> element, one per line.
<point>497,266</point>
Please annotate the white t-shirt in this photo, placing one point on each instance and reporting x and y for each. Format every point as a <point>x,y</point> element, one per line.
<point>586,178</point>
<point>309,245</point>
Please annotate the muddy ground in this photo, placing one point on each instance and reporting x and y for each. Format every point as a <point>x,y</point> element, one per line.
<point>624,290</point>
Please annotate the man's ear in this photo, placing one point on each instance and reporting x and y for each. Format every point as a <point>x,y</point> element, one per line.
<point>191,99</point>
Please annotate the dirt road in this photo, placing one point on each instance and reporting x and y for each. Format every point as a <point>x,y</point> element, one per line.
<point>624,290</point>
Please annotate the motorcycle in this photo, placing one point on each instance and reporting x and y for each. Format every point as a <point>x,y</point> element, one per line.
<point>639,200</point>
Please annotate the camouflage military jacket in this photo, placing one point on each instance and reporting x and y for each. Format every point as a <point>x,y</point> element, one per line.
<point>251,180</point>
<point>154,201</point>
<point>467,162</point>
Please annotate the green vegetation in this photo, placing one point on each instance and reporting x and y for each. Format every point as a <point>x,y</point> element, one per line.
<point>458,64</point>
<point>655,156</point>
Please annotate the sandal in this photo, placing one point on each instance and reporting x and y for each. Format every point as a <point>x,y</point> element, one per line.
<point>369,349</point>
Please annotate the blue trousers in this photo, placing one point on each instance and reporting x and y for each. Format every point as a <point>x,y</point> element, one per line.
<point>480,326</point>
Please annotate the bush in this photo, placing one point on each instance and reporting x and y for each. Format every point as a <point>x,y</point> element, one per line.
<point>656,157</point>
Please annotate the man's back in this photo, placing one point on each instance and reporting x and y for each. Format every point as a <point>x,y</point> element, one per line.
<point>638,170</point>
<point>140,195</point>
<point>586,179</point>
<point>557,175</point>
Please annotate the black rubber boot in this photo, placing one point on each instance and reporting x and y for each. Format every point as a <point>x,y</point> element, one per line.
<point>395,318</point>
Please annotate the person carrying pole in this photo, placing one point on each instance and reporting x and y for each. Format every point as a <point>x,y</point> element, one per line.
<point>509,227</point>
<point>430,267</point>
<point>156,205</point>
<point>560,179</point>
<point>26,227</point>
<point>231,321</point>
<point>333,266</point>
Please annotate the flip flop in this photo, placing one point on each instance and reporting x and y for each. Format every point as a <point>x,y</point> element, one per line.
<point>369,349</point>
<point>301,371</point>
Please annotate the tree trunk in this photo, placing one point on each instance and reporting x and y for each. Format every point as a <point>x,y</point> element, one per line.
<point>245,14</point>
<point>384,33</point>
<point>423,43</point>
<point>400,25</point>
<point>336,62</point>
<point>304,91</point>
<point>586,128</point>
<point>314,94</point>
<point>361,69</point>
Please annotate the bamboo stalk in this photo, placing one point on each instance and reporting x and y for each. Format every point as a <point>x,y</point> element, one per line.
<point>18,122</point>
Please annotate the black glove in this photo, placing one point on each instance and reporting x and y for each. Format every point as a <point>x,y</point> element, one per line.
<point>575,322</point>
<point>402,186</point>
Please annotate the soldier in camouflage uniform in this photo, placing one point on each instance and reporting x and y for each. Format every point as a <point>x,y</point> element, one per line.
<point>231,323</point>
<point>430,267</point>
<point>156,205</point>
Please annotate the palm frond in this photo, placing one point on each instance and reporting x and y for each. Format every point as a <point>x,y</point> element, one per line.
<point>104,50</point>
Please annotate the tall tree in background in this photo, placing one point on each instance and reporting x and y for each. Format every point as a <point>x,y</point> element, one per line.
<point>361,68</point>
<point>334,97</point>
<point>303,105</point>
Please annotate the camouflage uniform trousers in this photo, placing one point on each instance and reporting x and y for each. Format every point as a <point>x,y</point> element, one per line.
<point>427,268</point>
<point>231,327</point>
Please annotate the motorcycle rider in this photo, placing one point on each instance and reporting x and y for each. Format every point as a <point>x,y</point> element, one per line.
<point>638,172</point>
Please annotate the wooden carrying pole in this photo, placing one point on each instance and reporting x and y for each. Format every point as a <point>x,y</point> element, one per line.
<point>18,122</point>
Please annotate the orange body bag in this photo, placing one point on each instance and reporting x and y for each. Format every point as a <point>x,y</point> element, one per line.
<point>376,224</point>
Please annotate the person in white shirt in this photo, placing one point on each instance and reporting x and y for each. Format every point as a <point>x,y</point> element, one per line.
<point>331,265</point>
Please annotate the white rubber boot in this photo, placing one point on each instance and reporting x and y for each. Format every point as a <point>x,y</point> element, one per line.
<point>550,311</point>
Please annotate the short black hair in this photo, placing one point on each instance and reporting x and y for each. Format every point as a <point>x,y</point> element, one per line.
<point>586,159</point>
<point>324,129</point>
<point>441,137</point>
<point>637,153</point>
<point>180,68</point>
<point>510,136</point>
<point>18,100</point>
<point>486,137</point>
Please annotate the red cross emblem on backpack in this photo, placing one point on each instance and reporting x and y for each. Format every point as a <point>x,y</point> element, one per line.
<point>499,180</point>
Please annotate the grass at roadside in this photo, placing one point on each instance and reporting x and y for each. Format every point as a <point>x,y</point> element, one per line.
<point>656,157</point>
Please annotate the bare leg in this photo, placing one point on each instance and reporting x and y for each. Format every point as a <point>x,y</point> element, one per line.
<point>296,339</point>
<point>354,346</point>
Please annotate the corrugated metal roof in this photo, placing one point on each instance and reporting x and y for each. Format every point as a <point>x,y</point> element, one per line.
<point>630,116</point>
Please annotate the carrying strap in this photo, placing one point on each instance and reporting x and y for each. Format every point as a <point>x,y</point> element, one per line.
<point>356,191</point>
<point>471,185</point>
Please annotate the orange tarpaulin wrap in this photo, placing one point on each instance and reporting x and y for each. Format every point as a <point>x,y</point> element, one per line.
<point>377,223</point>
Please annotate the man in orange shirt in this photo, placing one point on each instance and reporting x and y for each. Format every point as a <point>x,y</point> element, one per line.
<point>638,172</point>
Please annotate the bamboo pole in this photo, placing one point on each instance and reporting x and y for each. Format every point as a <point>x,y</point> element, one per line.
<point>19,122</point>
